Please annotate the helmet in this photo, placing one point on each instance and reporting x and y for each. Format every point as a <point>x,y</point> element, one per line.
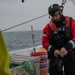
<point>54,9</point>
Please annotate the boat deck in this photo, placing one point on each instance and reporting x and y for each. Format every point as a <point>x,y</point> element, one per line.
<point>25,53</point>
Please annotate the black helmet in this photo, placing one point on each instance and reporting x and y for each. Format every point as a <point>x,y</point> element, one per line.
<point>54,9</point>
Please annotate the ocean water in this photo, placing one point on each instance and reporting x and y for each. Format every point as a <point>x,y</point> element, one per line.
<point>21,39</point>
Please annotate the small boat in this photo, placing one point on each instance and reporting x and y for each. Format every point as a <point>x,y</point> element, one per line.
<point>20,58</point>
<point>24,55</point>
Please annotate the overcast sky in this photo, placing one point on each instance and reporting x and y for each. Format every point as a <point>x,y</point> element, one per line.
<point>13,12</point>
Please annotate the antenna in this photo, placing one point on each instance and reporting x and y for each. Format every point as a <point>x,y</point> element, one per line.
<point>33,39</point>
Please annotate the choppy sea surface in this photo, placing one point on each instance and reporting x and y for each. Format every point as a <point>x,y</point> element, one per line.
<point>21,39</point>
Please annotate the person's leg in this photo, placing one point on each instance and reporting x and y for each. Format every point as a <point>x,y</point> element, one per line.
<point>54,68</point>
<point>69,65</point>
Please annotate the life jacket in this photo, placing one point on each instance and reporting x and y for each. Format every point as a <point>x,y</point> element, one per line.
<point>57,40</point>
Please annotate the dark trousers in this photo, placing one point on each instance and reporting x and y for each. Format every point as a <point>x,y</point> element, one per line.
<point>55,65</point>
